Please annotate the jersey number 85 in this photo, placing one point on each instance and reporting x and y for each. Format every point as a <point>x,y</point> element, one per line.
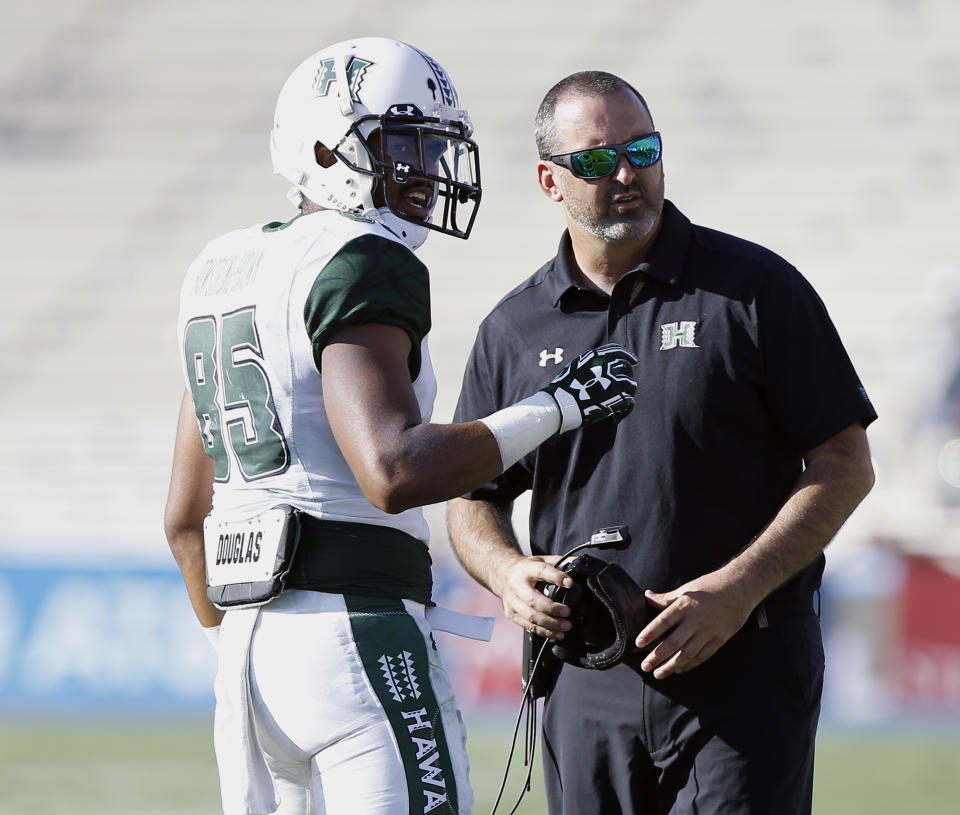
<point>232,396</point>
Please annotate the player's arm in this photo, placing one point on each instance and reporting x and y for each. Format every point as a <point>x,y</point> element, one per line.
<point>707,611</point>
<point>483,538</point>
<point>188,501</point>
<point>400,462</point>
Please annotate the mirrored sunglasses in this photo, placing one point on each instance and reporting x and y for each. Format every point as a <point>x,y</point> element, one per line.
<point>597,162</point>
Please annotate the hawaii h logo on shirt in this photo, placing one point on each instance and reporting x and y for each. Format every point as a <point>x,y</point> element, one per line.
<point>678,335</point>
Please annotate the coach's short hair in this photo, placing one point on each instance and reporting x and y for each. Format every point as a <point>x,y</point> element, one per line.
<point>587,83</point>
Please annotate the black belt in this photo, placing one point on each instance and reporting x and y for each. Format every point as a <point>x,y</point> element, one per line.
<point>360,559</point>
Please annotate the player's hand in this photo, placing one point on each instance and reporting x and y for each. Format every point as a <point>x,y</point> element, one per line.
<point>695,620</point>
<point>598,384</point>
<point>526,605</point>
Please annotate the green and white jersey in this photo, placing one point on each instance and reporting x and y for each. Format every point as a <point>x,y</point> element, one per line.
<point>256,310</point>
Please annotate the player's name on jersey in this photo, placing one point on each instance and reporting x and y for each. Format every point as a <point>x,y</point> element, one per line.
<point>226,274</point>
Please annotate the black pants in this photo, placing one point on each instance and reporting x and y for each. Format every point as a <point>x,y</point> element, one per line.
<point>733,736</point>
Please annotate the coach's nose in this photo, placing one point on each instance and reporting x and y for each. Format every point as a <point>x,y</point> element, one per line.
<point>625,172</point>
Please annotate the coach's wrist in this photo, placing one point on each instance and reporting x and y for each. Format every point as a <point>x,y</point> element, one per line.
<point>501,569</point>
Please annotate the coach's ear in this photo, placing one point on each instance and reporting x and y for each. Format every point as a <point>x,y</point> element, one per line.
<point>548,183</point>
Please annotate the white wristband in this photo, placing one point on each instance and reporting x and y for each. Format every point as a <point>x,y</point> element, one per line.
<point>524,426</point>
<point>570,416</point>
<point>213,634</point>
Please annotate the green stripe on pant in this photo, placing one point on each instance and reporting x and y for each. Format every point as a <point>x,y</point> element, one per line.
<point>395,659</point>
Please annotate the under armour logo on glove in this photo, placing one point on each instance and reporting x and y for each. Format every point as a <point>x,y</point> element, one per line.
<point>597,384</point>
<point>583,388</point>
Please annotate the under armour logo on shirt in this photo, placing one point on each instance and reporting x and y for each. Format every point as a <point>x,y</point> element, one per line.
<point>556,356</point>
<point>674,335</point>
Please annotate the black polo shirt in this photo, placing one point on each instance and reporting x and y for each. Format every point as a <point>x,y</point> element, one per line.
<point>741,371</point>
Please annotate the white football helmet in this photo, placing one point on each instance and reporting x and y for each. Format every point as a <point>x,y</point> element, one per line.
<point>343,94</point>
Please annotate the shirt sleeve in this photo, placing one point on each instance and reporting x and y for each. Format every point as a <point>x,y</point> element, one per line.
<point>481,395</point>
<point>370,280</point>
<point>810,383</point>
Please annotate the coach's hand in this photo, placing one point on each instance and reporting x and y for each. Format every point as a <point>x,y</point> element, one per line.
<point>597,384</point>
<point>526,605</point>
<point>696,619</point>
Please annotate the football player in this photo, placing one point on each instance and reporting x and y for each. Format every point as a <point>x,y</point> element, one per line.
<point>304,449</point>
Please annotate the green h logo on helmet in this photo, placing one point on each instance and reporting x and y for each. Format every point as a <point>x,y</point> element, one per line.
<point>327,75</point>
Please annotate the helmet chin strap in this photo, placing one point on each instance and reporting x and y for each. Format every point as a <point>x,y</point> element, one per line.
<point>413,235</point>
<point>295,196</point>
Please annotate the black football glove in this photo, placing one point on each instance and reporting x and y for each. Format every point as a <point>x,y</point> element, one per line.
<point>596,385</point>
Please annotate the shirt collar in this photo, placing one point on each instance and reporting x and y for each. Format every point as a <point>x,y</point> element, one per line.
<point>665,262</point>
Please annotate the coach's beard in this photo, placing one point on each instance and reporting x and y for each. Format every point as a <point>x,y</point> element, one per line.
<point>614,227</point>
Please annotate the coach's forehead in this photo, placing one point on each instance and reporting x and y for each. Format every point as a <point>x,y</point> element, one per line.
<point>588,119</point>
